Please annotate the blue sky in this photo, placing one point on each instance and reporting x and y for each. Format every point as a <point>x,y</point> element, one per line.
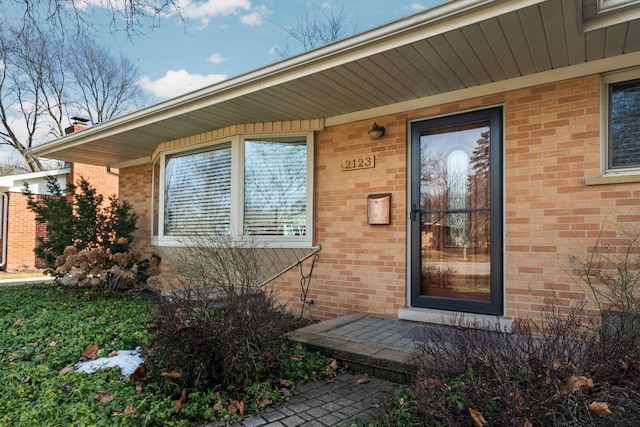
<point>221,39</point>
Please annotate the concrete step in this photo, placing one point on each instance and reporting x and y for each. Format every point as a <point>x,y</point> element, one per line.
<point>377,346</point>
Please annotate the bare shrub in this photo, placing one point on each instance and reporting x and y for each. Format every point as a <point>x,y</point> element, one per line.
<point>611,270</point>
<point>96,266</point>
<point>544,373</point>
<point>220,326</point>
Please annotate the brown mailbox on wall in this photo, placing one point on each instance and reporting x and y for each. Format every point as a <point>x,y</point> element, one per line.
<point>379,209</point>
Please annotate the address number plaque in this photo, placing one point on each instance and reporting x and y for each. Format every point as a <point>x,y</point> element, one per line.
<point>362,162</point>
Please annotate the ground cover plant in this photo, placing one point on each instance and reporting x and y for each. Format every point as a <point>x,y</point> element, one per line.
<point>46,329</point>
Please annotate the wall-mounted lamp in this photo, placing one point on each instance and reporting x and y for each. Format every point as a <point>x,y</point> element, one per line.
<point>376,131</point>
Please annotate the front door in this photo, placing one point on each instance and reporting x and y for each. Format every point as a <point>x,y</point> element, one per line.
<point>456,217</point>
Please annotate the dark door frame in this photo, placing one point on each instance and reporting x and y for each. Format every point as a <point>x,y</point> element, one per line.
<point>495,306</point>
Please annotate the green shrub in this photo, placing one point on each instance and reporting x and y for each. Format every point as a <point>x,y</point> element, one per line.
<point>87,244</point>
<point>78,219</point>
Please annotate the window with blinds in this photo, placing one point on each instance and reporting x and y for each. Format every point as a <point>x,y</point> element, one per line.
<point>197,194</point>
<point>275,187</point>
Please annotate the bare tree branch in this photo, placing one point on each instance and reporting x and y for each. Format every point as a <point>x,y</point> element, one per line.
<point>42,84</point>
<point>316,28</point>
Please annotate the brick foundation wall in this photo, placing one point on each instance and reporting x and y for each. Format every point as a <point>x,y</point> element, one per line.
<point>552,143</point>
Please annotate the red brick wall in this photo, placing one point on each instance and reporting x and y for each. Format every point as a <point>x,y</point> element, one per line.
<point>552,143</point>
<point>104,182</point>
<point>22,234</point>
<point>135,187</point>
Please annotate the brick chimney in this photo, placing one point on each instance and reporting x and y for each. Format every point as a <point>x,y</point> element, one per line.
<point>79,123</point>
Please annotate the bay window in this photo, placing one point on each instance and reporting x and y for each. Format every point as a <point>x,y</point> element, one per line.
<point>246,186</point>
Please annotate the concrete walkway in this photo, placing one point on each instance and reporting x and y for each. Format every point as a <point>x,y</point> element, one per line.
<point>26,280</point>
<point>349,398</point>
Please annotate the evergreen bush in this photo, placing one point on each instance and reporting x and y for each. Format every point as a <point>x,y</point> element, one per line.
<point>86,242</point>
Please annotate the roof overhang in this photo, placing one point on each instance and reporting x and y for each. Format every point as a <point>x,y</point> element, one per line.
<point>460,48</point>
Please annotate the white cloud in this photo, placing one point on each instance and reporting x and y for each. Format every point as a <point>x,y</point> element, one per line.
<point>176,83</point>
<point>216,58</point>
<point>416,6</point>
<point>205,10</point>
<point>86,4</point>
<point>254,19</point>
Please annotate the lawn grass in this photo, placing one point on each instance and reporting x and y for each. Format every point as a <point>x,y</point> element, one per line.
<point>45,328</point>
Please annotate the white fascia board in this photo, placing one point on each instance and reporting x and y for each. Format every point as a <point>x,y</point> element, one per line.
<point>438,20</point>
<point>11,180</point>
<point>36,181</point>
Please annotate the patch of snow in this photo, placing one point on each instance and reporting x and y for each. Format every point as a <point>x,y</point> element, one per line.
<point>127,360</point>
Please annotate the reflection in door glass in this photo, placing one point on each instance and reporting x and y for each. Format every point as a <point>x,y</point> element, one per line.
<point>455,199</point>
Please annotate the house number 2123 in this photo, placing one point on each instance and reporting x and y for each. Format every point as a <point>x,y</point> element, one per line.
<point>363,162</point>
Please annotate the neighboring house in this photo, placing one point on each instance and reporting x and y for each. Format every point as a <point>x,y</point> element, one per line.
<point>19,231</point>
<point>510,137</point>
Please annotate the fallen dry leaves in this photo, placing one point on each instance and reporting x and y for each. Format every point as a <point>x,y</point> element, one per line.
<point>103,397</point>
<point>179,402</point>
<point>286,383</point>
<point>66,369</point>
<point>577,382</point>
<point>130,409</point>
<point>90,353</point>
<point>478,418</point>
<point>139,372</point>
<point>600,408</point>
<point>172,374</point>
<point>236,406</point>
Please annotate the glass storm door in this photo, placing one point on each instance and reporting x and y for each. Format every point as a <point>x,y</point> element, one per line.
<point>456,218</point>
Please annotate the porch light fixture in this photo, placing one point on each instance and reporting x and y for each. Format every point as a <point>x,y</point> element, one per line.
<point>376,131</point>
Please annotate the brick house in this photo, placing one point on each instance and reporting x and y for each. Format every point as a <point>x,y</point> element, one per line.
<point>19,229</point>
<point>447,162</point>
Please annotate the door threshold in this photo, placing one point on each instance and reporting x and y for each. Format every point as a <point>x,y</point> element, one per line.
<point>455,318</point>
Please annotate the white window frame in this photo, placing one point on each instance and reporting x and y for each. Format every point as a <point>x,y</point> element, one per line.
<point>237,191</point>
<point>607,81</point>
<point>610,5</point>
